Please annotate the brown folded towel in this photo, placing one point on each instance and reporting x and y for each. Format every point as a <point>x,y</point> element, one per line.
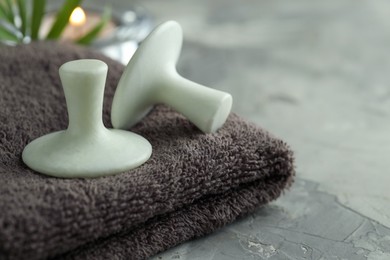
<point>193,184</point>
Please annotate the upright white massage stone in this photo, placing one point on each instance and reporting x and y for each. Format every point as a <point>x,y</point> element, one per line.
<point>87,148</point>
<point>151,78</point>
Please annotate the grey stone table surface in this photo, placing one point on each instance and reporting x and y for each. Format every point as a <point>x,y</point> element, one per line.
<point>317,74</point>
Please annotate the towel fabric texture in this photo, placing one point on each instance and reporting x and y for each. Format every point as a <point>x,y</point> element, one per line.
<point>193,184</point>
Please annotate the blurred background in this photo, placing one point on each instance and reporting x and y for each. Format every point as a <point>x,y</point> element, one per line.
<point>313,73</point>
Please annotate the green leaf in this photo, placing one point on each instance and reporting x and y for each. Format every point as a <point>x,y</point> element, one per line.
<point>37,14</point>
<point>3,14</point>
<point>6,13</point>
<point>62,18</point>
<point>91,35</point>
<point>8,3</point>
<point>7,35</point>
<point>9,6</point>
<point>23,15</point>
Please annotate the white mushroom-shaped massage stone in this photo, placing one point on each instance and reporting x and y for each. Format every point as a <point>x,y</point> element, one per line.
<point>87,148</point>
<point>151,78</point>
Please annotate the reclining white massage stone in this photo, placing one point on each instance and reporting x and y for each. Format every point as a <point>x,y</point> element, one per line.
<point>151,78</point>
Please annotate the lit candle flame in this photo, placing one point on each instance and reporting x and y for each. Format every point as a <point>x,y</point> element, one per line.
<point>78,17</point>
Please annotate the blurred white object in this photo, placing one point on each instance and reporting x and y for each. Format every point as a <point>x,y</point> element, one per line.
<point>129,25</point>
<point>133,25</point>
